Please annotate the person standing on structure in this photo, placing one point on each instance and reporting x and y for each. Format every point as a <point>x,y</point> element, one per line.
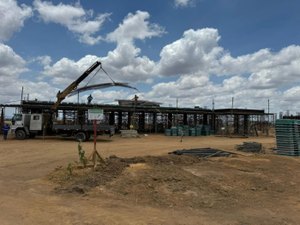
<point>5,130</point>
<point>90,98</point>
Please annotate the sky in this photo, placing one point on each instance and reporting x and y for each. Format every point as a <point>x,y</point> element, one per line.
<point>190,52</point>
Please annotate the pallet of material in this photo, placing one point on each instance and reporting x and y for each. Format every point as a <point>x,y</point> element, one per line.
<point>129,133</point>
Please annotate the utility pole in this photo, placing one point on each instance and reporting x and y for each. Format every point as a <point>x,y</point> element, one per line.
<point>213,118</point>
<point>232,100</point>
<point>268,117</point>
<point>176,121</point>
<point>22,92</point>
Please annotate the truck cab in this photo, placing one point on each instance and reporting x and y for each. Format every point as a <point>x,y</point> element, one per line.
<point>27,125</point>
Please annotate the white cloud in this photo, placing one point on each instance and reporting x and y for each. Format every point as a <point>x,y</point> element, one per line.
<point>265,69</point>
<point>65,71</point>
<point>197,51</point>
<point>79,21</point>
<point>11,64</point>
<point>251,79</point>
<point>135,26</point>
<point>200,91</point>
<point>44,60</point>
<point>12,18</point>
<point>183,87</point>
<point>197,68</point>
<point>234,83</point>
<point>292,94</point>
<point>125,63</point>
<point>108,96</point>
<point>184,3</point>
<point>11,67</point>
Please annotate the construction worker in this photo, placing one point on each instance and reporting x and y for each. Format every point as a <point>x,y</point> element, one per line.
<point>5,130</point>
<point>90,98</point>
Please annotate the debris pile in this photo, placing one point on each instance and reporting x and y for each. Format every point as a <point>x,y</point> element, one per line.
<point>129,133</point>
<point>254,147</point>
<point>201,152</point>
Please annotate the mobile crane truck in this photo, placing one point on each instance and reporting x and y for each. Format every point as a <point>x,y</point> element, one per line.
<point>28,125</point>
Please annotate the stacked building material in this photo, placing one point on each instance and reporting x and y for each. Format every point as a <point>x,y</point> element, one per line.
<point>205,130</point>
<point>288,137</point>
<point>201,152</point>
<point>254,147</point>
<point>129,133</point>
<point>198,130</point>
<point>185,130</point>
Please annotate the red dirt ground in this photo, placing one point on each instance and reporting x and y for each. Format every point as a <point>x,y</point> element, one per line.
<point>142,184</point>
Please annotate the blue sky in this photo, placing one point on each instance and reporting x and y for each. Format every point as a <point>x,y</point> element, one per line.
<point>191,50</point>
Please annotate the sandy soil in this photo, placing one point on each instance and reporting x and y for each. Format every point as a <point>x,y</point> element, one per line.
<point>243,189</point>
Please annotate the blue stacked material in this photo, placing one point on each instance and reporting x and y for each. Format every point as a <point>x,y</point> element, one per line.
<point>188,131</point>
<point>205,130</point>
<point>168,132</point>
<point>174,131</point>
<point>198,130</point>
<point>192,132</point>
<point>180,131</point>
<point>288,137</point>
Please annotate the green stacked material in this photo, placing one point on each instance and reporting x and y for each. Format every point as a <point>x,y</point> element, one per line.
<point>174,131</point>
<point>288,137</point>
<point>186,130</point>
<point>168,132</point>
<point>189,131</point>
<point>198,130</point>
<point>180,131</point>
<point>205,130</point>
<point>192,132</point>
<point>183,131</point>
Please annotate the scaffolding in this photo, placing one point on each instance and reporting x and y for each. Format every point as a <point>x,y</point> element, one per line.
<point>146,117</point>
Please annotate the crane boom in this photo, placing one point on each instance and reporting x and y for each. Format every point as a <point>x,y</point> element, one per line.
<point>62,95</point>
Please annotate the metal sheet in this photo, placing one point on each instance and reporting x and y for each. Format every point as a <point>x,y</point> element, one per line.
<point>101,86</point>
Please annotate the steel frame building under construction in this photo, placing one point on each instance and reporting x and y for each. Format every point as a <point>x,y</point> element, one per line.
<point>150,117</point>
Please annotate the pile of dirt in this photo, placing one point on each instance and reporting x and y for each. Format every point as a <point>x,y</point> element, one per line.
<point>183,181</point>
<point>163,180</point>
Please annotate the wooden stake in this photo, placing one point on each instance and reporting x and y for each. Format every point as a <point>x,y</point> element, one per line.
<point>95,154</point>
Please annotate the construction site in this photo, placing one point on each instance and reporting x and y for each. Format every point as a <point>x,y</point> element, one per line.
<point>149,117</point>
<point>138,162</point>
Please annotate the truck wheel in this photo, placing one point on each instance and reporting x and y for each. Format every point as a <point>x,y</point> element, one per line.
<point>80,136</point>
<point>20,134</point>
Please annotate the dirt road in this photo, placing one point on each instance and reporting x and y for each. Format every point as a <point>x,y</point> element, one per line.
<point>245,189</point>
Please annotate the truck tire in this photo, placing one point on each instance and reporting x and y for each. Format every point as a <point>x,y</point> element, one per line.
<point>80,136</point>
<point>20,134</point>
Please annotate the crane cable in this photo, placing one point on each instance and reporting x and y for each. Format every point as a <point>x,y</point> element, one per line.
<point>92,77</point>
<point>100,68</point>
<point>107,74</point>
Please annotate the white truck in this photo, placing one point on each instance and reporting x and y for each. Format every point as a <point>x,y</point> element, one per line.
<point>28,125</point>
<point>31,125</point>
